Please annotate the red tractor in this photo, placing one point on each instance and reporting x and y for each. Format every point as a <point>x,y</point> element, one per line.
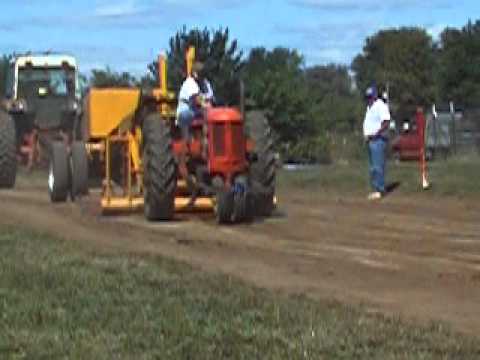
<point>236,173</point>
<point>225,162</point>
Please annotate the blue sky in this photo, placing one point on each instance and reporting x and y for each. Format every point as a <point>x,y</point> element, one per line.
<point>127,34</point>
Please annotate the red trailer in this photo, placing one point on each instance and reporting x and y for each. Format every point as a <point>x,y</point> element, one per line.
<point>411,142</point>
<point>411,146</point>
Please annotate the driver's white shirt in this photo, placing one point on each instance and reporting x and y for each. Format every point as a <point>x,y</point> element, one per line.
<point>376,114</point>
<point>188,89</point>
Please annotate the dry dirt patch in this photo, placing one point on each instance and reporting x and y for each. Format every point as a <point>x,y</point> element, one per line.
<point>404,256</point>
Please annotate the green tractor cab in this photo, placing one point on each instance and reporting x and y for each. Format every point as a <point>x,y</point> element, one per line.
<point>42,104</point>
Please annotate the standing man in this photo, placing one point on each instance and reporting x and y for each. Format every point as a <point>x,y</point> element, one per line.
<point>375,127</point>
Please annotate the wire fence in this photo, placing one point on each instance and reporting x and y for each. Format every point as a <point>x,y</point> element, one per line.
<point>453,132</point>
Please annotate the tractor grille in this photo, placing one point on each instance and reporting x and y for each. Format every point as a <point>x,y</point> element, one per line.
<point>219,139</point>
<point>238,141</point>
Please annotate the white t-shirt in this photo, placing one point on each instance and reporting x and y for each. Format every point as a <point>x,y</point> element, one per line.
<point>188,89</point>
<point>376,114</point>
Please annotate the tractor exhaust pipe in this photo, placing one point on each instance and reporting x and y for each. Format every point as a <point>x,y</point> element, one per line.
<point>242,98</point>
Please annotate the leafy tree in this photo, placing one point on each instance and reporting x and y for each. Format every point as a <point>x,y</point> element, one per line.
<point>109,78</point>
<point>335,104</point>
<point>459,65</point>
<point>306,107</point>
<point>330,78</point>
<point>220,55</point>
<point>275,82</point>
<point>403,60</point>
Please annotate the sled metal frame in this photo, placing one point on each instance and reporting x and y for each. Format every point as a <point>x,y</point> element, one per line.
<point>131,198</point>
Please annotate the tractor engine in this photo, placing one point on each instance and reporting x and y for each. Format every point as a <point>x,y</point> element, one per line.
<point>226,144</point>
<point>217,165</point>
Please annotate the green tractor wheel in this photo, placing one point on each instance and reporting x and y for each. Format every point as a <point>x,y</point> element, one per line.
<point>59,172</point>
<point>79,170</point>
<point>8,151</point>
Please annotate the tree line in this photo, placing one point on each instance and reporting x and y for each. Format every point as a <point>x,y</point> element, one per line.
<point>309,107</point>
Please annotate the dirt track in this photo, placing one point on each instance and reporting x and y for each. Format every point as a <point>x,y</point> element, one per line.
<point>415,257</point>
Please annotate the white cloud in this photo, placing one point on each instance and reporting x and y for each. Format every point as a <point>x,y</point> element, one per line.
<point>118,9</point>
<point>325,56</point>
<point>206,3</point>
<point>335,4</point>
<point>329,43</point>
<point>368,5</point>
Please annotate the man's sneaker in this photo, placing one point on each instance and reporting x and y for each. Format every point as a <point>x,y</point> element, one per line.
<point>375,196</point>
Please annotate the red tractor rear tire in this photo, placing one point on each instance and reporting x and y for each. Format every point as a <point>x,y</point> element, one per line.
<point>160,169</point>
<point>263,168</point>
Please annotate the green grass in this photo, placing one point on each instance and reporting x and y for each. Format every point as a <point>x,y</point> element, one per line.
<point>458,176</point>
<point>58,301</point>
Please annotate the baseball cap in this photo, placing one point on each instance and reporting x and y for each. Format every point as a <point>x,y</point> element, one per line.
<point>371,92</point>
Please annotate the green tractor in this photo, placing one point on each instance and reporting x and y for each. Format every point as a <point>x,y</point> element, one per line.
<point>40,121</point>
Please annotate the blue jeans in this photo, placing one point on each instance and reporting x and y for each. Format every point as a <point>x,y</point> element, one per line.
<point>376,157</point>
<point>185,119</point>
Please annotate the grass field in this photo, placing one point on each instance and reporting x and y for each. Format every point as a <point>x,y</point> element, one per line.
<point>59,301</point>
<point>458,176</point>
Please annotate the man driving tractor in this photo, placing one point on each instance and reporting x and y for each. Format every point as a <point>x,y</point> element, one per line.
<point>195,94</point>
